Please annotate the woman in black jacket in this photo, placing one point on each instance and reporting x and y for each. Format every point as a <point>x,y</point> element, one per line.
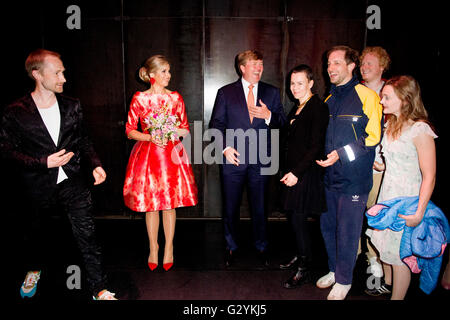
<point>302,193</point>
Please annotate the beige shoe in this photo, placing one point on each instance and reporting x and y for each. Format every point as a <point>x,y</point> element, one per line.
<point>339,291</point>
<point>326,281</point>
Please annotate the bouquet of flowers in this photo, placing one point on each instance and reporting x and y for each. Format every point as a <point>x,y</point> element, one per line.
<point>162,126</point>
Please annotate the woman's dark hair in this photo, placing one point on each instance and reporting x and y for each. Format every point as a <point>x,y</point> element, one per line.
<point>304,68</point>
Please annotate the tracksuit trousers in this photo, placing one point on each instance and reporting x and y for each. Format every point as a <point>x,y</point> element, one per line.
<point>341,229</point>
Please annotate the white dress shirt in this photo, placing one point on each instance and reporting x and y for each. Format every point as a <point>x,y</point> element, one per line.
<point>246,85</point>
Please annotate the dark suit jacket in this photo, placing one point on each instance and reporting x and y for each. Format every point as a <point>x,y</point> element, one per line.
<point>26,142</point>
<point>231,112</point>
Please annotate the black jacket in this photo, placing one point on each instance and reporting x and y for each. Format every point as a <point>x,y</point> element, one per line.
<point>26,143</point>
<point>305,138</point>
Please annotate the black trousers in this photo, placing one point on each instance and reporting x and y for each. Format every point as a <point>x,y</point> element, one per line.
<point>72,198</point>
<point>299,224</point>
<point>233,187</point>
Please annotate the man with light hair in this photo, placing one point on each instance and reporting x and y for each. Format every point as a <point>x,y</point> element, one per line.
<point>375,61</point>
<point>42,136</point>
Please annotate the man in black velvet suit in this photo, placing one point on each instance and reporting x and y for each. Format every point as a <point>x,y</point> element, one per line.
<point>42,136</point>
<point>252,107</point>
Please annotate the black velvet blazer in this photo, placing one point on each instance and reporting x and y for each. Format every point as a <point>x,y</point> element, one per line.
<point>26,143</point>
<point>304,139</point>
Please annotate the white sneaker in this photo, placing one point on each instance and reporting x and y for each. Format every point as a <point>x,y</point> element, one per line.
<point>326,281</point>
<point>339,291</point>
<point>375,267</point>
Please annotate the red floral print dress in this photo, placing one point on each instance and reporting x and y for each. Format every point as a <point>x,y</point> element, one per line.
<point>158,178</point>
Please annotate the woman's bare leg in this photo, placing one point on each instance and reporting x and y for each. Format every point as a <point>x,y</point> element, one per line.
<point>402,279</point>
<point>169,220</point>
<point>152,223</point>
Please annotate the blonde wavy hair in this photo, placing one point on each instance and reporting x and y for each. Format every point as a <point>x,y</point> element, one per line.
<point>408,91</point>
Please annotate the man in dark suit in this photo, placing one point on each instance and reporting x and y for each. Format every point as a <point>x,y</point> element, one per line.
<point>42,137</point>
<point>245,111</point>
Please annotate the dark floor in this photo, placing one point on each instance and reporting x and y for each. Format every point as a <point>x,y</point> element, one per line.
<point>199,273</point>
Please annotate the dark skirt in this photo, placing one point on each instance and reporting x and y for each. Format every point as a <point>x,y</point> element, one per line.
<point>308,195</point>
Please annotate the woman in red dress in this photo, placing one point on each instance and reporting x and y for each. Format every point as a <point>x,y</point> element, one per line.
<point>159,175</point>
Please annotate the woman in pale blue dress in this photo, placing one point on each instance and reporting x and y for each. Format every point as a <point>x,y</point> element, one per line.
<point>410,170</point>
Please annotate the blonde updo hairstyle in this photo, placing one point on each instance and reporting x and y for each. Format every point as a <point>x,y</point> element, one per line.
<point>152,65</point>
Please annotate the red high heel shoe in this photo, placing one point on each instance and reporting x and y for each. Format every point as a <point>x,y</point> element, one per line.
<point>167,266</point>
<point>152,265</point>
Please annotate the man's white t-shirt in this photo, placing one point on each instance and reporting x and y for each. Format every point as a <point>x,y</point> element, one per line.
<point>52,120</point>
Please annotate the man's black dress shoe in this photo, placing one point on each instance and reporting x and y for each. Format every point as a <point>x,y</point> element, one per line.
<point>262,255</point>
<point>300,277</point>
<point>228,258</point>
<point>289,264</point>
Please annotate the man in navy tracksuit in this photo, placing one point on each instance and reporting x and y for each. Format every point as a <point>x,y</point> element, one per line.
<point>354,130</point>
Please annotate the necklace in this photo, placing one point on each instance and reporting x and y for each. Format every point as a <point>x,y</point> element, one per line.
<point>301,105</point>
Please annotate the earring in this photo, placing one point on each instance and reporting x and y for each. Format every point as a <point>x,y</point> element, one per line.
<point>152,81</point>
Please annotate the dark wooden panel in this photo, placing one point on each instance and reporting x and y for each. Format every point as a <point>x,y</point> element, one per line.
<point>244,9</point>
<point>93,59</point>
<point>326,9</point>
<point>161,9</point>
<point>309,41</point>
<point>21,32</point>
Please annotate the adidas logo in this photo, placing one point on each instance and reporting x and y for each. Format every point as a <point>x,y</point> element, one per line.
<point>355,198</point>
